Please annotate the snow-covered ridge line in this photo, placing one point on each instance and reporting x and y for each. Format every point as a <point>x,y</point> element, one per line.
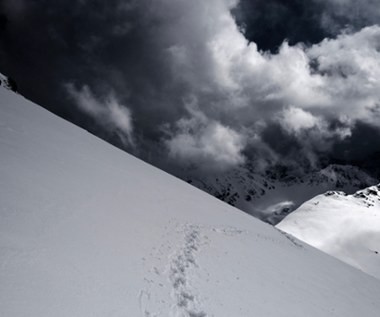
<point>273,195</point>
<point>88,230</point>
<point>342,225</point>
<point>8,83</point>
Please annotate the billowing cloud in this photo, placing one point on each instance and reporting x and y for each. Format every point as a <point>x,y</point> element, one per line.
<point>109,113</point>
<point>200,140</point>
<point>296,120</point>
<point>350,68</point>
<point>313,93</point>
<point>313,133</point>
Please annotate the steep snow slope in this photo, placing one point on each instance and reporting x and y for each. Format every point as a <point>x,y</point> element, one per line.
<point>274,194</point>
<point>88,230</point>
<point>345,226</point>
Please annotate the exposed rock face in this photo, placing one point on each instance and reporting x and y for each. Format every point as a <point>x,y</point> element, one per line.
<point>8,82</point>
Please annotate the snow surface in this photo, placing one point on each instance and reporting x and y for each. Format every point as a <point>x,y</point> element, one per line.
<point>345,226</point>
<point>88,230</point>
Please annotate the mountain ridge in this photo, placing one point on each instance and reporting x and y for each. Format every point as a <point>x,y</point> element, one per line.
<point>342,225</point>
<point>272,195</point>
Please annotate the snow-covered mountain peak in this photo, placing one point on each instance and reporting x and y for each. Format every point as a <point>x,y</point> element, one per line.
<point>368,196</point>
<point>345,226</point>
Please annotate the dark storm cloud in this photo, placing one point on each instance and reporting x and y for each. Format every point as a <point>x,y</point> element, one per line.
<point>175,82</point>
<point>120,47</point>
<point>3,22</point>
<point>117,47</point>
<point>269,22</point>
<point>364,143</point>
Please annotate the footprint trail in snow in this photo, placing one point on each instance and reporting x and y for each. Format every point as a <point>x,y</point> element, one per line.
<point>172,286</point>
<point>174,269</point>
<point>183,263</point>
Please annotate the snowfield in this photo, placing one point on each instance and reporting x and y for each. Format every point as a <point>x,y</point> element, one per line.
<point>345,226</point>
<point>88,230</point>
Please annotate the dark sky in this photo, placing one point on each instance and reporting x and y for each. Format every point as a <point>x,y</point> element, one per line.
<point>268,23</point>
<point>211,83</point>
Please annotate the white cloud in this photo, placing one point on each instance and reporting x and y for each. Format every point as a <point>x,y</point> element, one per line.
<point>295,120</point>
<point>238,85</point>
<point>109,113</point>
<point>350,68</point>
<point>198,50</point>
<point>313,132</point>
<point>198,139</point>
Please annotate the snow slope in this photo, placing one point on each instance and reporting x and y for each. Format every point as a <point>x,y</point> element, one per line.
<point>345,226</point>
<point>88,230</point>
